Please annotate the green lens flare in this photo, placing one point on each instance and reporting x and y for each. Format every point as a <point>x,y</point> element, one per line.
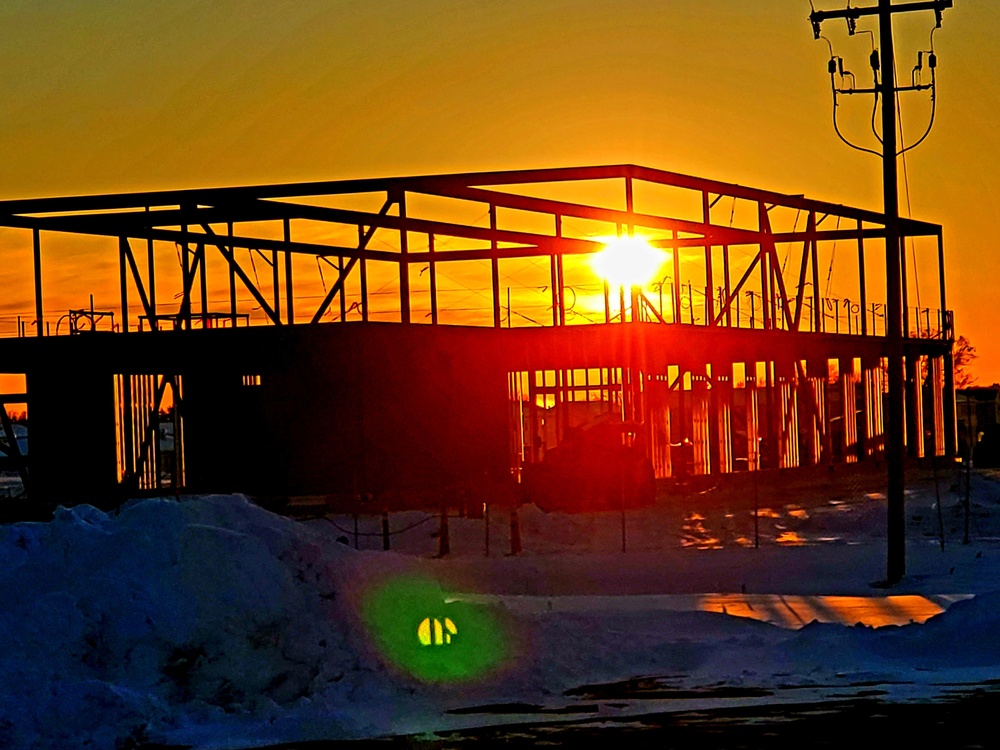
<point>417,631</point>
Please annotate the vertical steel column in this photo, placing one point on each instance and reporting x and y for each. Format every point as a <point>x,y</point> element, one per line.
<point>202,271</point>
<point>343,288</point>
<point>178,474</point>
<point>128,427</point>
<point>914,428</point>
<point>936,385</point>
<point>677,280</point>
<point>817,418</point>
<point>726,281</point>
<point>709,275</point>
<point>683,424</point>
<point>275,284</point>
<point>232,278</point>
<point>494,266</point>
<point>847,380</point>
<point>537,440</point>
<point>142,417</point>
<point>664,465</point>
<point>725,416</point>
<point>151,272</point>
<point>634,294</point>
<point>562,289</point>
<point>553,278</point>
<point>950,422</point>
<point>765,285</point>
<point>810,441</point>
<point>404,262</point>
<point>123,281</point>
<point>817,299</point>
<point>700,424</point>
<point>752,416</point>
<point>432,272</point>
<point>861,282</point>
<point>864,410</point>
<point>709,288</point>
<point>37,269</point>
<point>185,275</point>
<point>554,285</point>
<point>785,390</point>
<point>714,435</point>
<point>135,402</point>
<point>772,416</point>
<point>827,421</point>
<point>942,300</point>
<point>905,305</point>
<point>289,302</point>
<point>364,276</point>
<point>874,407</point>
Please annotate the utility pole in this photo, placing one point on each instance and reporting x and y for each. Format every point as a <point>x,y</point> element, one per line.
<point>885,87</point>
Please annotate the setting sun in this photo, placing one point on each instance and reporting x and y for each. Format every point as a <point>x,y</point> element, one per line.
<point>628,261</point>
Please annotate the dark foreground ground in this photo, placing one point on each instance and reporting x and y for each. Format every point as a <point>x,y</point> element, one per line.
<point>964,719</point>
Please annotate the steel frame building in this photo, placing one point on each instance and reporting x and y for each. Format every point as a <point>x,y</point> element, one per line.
<point>389,384</point>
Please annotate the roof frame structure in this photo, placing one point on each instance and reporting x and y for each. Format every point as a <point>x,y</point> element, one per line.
<point>226,219</point>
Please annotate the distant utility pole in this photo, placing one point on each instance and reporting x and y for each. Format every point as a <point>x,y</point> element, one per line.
<point>885,86</point>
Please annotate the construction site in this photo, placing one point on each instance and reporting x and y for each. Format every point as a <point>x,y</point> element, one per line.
<point>446,341</point>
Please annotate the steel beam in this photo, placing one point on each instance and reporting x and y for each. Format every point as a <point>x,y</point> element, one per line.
<point>230,257</point>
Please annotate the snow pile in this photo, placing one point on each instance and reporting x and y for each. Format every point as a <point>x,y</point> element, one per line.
<point>211,622</point>
<point>128,625</point>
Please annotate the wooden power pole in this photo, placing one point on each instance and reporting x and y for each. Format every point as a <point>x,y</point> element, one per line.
<point>885,87</point>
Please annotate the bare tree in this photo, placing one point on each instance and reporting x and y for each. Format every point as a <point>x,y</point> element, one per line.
<point>964,354</point>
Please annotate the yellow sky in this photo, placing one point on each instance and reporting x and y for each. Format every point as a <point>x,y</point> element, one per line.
<point>102,96</point>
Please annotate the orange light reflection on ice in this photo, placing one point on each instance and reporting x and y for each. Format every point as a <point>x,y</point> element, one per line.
<point>797,611</point>
<point>694,534</point>
<point>789,539</point>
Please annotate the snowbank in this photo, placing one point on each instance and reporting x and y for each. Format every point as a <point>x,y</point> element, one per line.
<point>212,622</point>
<point>169,612</point>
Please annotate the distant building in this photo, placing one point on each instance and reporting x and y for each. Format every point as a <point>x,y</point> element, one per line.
<point>978,417</point>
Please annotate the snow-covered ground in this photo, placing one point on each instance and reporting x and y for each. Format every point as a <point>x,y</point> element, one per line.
<point>211,622</point>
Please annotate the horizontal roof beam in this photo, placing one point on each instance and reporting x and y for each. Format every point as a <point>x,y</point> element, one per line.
<point>226,198</point>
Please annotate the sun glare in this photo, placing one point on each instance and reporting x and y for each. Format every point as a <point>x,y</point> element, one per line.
<point>628,261</point>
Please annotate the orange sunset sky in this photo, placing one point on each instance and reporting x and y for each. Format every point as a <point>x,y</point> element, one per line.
<point>99,96</point>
